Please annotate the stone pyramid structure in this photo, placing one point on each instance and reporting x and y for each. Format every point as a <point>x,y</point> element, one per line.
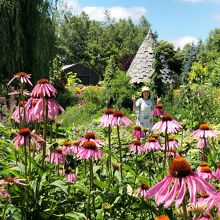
<point>141,68</point>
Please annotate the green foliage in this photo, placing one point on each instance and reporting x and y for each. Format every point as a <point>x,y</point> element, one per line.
<point>194,104</point>
<point>214,69</point>
<point>198,74</point>
<point>120,90</point>
<point>93,43</point>
<point>28,37</point>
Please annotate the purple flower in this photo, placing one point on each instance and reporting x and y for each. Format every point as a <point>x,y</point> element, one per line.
<point>24,78</point>
<point>167,123</point>
<point>204,132</point>
<point>137,132</point>
<point>43,89</point>
<point>174,187</point>
<point>89,150</point>
<point>136,147</point>
<point>24,135</point>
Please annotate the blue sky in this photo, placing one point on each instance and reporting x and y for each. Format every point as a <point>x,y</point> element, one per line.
<point>178,21</point>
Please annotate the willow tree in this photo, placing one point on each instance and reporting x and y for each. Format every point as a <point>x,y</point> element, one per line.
<point>27,37</point>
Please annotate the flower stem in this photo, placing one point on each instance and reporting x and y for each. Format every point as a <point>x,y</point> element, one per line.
<point>5,208</point>
<point>25,156</point>
<point>185,216</point>
<point>109,148</point>
<point>45,113</point>
<point>120,151</point>
<point>166,145</point>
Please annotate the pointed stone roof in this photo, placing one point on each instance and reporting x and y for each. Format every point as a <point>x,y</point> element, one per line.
<point>141,68</point>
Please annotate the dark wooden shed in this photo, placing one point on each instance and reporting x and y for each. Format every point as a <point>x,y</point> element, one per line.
<point>85,74</point>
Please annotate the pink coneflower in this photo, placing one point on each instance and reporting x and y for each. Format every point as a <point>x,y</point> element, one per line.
<point>4,193</point>
<point>24,78</point>
<point>141,191</point>
<point>152,145</point>
<point>204,171</point>
<point>90,136</point>
<point>217,172</point>
<point>137,132</point>
<point>172,153</point>
<point>167,123</point>
<point>18,92</point>
<point>68,148</point>
<point>25,134</point>
<point>213,201</point>
<point>174,187</point>
<point>158,110</point>
<point>70,176</point>
<point>21,112</point>
<point>172,144</point>
<point>57,157</point>
<point>202,142</point>
<point>12,180</point>
<point>53,109</point>
<point>43,88</point>
<point>106,118</point>
<point>118,118</point>
<point>89,150</point>
<point>136,147</point>
<point>204,132</point>
<point>156,136</point>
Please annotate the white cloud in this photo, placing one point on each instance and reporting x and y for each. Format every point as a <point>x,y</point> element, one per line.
<point>182,41</point>
<point>97,13</point>
<point>69,5</point>
<point>217,17</point>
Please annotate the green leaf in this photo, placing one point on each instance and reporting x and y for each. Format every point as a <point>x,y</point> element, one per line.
<point>75,215</point>
<point>61,185</point>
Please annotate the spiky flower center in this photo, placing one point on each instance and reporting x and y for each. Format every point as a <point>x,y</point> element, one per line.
<point>179,167</point>
<point>21,74</point>
<point>151,139</point>
<point>108,111</point>
<point>22,103</point>
<point>9,179</point>
<point>42,81</point>
<point>137,128</point>
<point>67,143</point>
<point>34,102</point>
<point>118,114</point>
<point>171,139</point>
<point>206,169</point>
<point>204,127</point>
<point>154,136</point>
<point>76,143</point>
<point>137,143</point>
<point>158,106</point>
<point>218,165</point>
<point>24,131</point>
<point>203,164</point>
<point>162,217</point>
<point>90,145</point>
<point>167,117</point>
<point>67,171</point>
<point>90,135</point>
<point>204,195</point>
<point>144,187</point>
<point>58,150</point>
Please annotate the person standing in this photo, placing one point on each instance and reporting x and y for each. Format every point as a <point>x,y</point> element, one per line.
<point>144,107</point>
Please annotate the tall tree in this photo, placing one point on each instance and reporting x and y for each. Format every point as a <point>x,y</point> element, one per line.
<point>27,37</point>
